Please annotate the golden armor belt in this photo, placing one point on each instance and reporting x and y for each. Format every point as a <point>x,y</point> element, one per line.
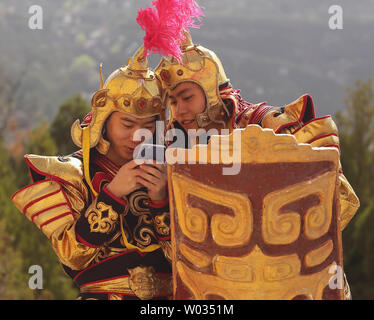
<point>142,282</point>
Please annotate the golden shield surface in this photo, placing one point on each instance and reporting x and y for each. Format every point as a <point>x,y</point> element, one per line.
<point>269,231</point>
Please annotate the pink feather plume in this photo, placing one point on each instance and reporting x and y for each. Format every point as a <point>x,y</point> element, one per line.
<point>165,23</point>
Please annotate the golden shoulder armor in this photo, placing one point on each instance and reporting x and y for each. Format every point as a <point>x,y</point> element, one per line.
<point>45,204</point>
<point>61,177</point>
<point>294,114</point>
<point>68,170</point>
<point>298,118</point>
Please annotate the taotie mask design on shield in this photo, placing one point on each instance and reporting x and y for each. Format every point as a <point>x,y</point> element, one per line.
<point>270,232</point>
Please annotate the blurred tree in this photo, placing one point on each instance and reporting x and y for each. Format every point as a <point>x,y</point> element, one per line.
<point>35,247</point>
<point>356,131</point>
<point>13,276</point>
<point>362,259</point>
<point>38,141</point>
<point>82,63</point>
<point>26,237</point>
<point>8,93</point>
<point>13,258</point>
<point>41,141</point>
<point>72,109</point>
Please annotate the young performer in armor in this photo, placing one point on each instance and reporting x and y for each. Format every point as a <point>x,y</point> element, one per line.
<point>200,96</point>
<point>106,217</point>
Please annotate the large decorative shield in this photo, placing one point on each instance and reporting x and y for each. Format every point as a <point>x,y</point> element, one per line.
<point>268,230</point>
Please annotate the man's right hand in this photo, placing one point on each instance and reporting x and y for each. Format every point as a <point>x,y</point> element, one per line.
<point>124,182</point>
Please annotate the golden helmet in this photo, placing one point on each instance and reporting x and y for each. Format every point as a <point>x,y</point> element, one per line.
<point>133,89</point>
<point>201,66</point>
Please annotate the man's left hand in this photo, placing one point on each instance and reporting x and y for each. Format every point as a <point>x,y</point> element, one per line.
<point>153,177</point>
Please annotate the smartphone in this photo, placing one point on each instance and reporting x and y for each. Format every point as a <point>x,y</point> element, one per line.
<point>155,152</point>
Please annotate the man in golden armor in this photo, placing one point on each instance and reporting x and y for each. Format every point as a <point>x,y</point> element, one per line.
<point>106,216</point>
<point>200,96</point>
<point>271,230</point>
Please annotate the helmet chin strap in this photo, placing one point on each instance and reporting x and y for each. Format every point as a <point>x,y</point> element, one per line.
<point>203,119</point>
<point>206,118</point>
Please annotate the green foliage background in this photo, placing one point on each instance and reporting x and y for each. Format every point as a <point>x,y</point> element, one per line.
<point>23,245</point>
<point>21,242</point>
<point>285,50</point>
<point>356,126</point>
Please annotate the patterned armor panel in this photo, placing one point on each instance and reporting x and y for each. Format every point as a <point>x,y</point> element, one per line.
<point>273,235</point>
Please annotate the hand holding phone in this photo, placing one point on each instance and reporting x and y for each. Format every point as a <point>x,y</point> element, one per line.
<point>152,170</point>
<point>145,153</point>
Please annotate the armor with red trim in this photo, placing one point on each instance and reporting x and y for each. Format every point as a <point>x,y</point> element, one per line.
<point>86,231</point>
<point>112,248</point>
<point>299,119</point>
<point>225,107</point>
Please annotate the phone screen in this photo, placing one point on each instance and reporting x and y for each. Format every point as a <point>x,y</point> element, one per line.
<point>154,152</point>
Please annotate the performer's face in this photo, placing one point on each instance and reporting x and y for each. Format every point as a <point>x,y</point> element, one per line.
<point>120,130</point>
<point>186,101</point>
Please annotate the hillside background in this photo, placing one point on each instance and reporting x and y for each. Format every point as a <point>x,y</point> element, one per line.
<point>273,50</point>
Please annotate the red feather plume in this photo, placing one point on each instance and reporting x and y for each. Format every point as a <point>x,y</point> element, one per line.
<point>165,23</point>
